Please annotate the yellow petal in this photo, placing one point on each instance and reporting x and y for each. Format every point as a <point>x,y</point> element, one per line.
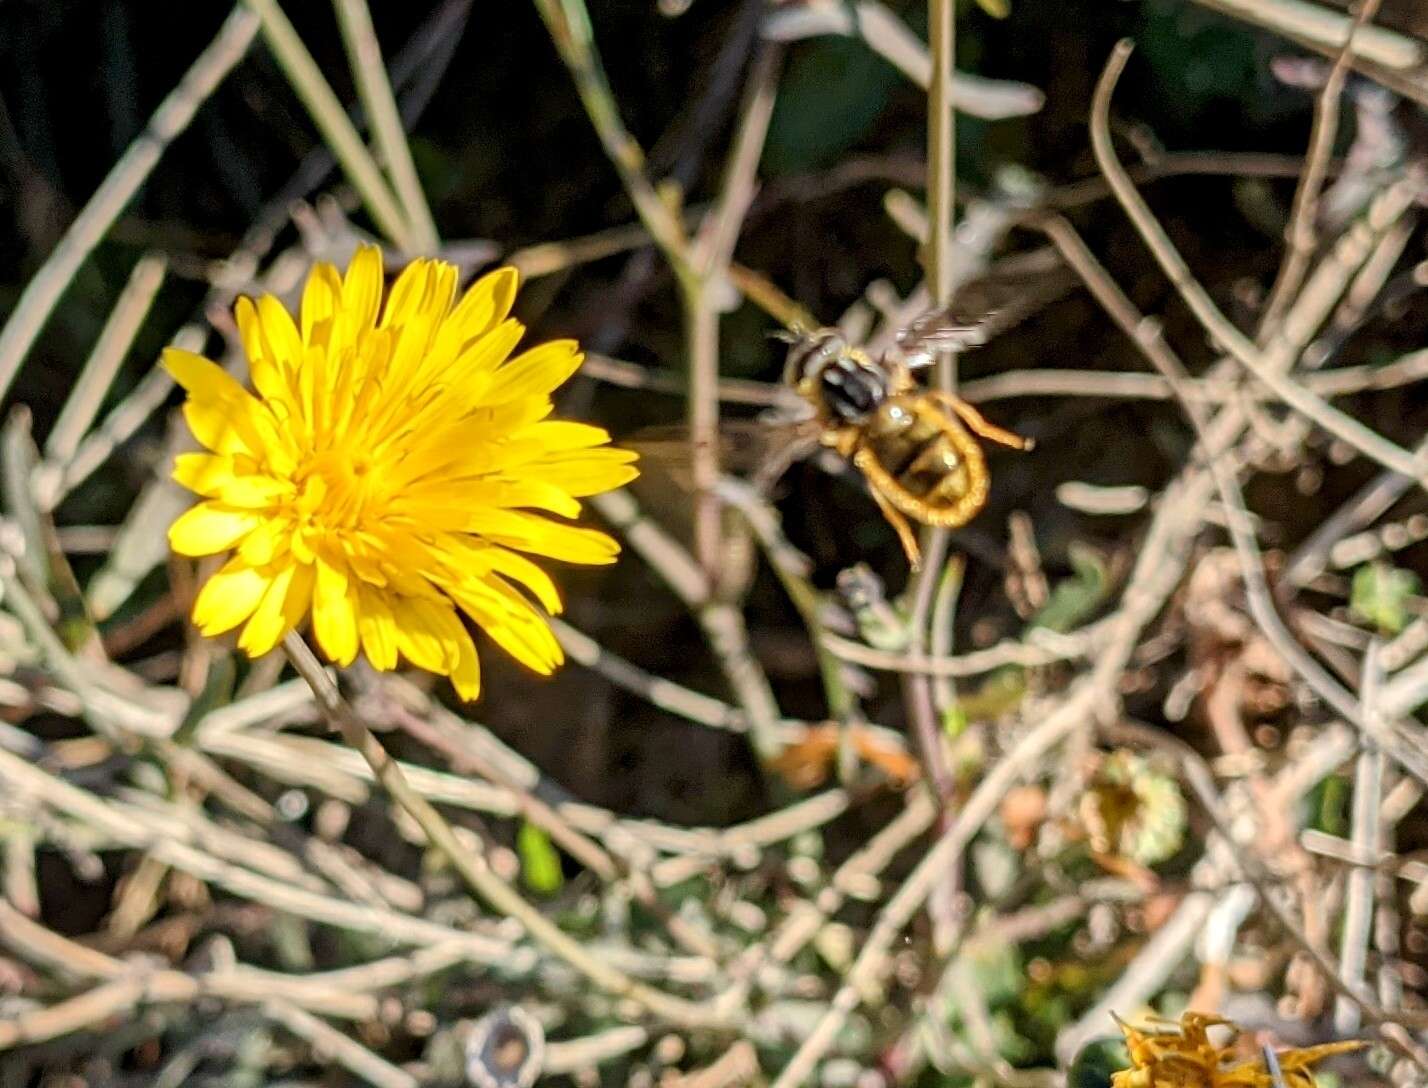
<point>466,675</point>
<point>558,435</point>
<point>512,624</point>
<point>424,633</point>
<point>588,472</point>
<point>210,527</point>
<point>377,628</point>
<point>362,562</point>
<point>541,536</point>
<point>415,316</point>
<point>459,558</point>
<point>447,503</point>
<point>279,332</point>
<point>269,375</point>
<point>204,473</point>
<point>254,491</point>
<point>485,304</point>
<point>463,558</point>
<point>218,476</point>
<point>270,538</point>
<point>321,302</point>
<point>535,373</point>
<point>201,377</point>
<point>214,424</point>
<point>362,288</point>
<point>481,357</point>
<point>521,570</point>
<point>334,614</point>
<point>496,423</point>
<point>282,608</point>
<point>223,415</point>
<point>405,297</point>
<point>229,597</point>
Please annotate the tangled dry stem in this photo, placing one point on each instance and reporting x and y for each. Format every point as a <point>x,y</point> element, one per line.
<point>687,973</point>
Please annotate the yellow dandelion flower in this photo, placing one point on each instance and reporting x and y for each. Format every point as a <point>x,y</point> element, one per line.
<point>391,473</point>
<point>1184,1057</point>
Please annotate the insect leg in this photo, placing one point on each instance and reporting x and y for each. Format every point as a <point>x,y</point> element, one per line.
<point>844,440</point>
<point>896,519</point>
<point>977,423</point>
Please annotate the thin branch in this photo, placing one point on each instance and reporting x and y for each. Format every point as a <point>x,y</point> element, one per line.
<point>941,282</point>
<point>330,1044</point>
<point>1367,836</point>
<point>723,624</point>
<point>1304,213</point>
<point>931,870</point>
<point>700,291</point>
<point>332,122</point>
<point>102,366</point>
<point>659,692</point>
<point>549,258</point>
<point>1042,648</point>
<point>1408,369</point>
<point>1243,350</point>
<point>893,40</point>
<point>473,866</point>
<point>941,152</point>
<point>1147,335</point>
<point>1396,60</point>
<point>569,25</point>
<point>364,52</point>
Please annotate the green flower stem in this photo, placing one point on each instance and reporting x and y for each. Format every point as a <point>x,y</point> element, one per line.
<point>472,864</point>
<point>332,122</point>
<point>365,54</point>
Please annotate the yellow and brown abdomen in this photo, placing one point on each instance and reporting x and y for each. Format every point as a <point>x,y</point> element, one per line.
<point>923,461</point>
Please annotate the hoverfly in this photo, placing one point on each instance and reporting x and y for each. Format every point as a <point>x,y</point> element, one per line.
<point>913,445</point>
<point>916,447</point>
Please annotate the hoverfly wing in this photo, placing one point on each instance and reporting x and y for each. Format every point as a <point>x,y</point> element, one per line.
<point>759,449</point>
<point>1018,287</point>
<point>939,331</point>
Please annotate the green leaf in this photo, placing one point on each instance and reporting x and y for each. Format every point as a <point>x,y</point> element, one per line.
<point>997,9</point>
<point>1096,1062</point>
<point>1379,596</point>
<point>998,972</point>
<point>540,863</point>
<point>1073,599</point>
<point>830,98</point>
<point>1333,806</point>
<point>954,721</point>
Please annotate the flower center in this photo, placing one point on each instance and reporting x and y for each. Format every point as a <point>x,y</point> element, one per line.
<point>336,488</point>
